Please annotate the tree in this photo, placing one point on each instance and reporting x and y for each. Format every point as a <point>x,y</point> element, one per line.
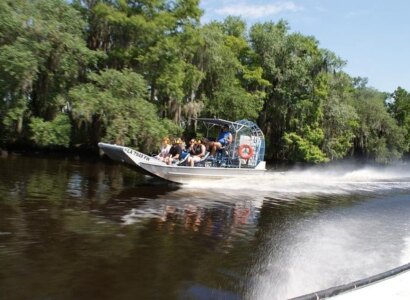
<point>224,60</point>
<point>293,109</point>
<point>154,38</point>
<point>42,52</point>
<point>378,136</point>
<point>114,108</point>
<point>51,133</point>
<point>399,108</point>
<point>340,119</point>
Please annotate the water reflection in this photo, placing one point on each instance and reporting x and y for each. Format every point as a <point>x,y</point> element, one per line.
<point>188,210</point>
<point>108,232</point>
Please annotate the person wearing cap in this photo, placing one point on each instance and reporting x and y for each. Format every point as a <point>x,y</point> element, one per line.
<point>224,139</point>
<point>165,147</point>
<point>175,152</point>
<point>197,152</point>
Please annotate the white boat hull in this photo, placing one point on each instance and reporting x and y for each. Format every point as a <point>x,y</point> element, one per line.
<point>178,174</point>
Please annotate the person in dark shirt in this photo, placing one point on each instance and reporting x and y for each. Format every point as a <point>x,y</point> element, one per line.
<point>198,152</point>
<point>190,147</point>
<point>175,152</point>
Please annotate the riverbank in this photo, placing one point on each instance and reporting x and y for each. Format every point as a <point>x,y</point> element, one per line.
<point>89,152</point>
<point>83,151</point>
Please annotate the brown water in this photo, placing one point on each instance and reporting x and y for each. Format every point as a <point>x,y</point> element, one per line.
<point>81,229</point>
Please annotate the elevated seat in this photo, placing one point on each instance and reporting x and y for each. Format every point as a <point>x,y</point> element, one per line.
<point>222,155</point>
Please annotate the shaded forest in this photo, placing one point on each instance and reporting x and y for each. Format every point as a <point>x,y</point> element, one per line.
<point>130,72</point>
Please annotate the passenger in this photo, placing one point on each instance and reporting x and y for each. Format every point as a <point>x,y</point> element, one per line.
<point>185,150</point>
<point>183,143</point>
<point>199,151</point>
<point>175,153</point>
<point>190,147</point>
<point>163,153</point>
<point>206,142</point>
<point>224,139</point>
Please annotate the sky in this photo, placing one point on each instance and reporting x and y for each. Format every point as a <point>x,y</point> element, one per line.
<point>373,36</point>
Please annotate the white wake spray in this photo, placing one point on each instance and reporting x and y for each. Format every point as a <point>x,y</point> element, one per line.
<point>341,244</point>
<point>329,180</point>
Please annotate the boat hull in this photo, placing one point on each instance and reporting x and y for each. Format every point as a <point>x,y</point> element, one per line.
<point>178,174</point>
<point>183,174</point>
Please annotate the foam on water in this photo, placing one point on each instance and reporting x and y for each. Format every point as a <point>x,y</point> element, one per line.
<point>405,257</point>
<point>330,180</point>
<point>321,255</point>
<point>337,246</point>
<point>314,251</point>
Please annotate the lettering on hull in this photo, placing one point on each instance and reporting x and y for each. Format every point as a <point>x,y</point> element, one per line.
<point>137,154</point>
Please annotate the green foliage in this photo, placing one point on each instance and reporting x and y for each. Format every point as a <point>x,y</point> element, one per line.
<point>12,120</point>
<point>291,64</point>
<point>42,52</point>
<point>234,27</point>
<point>378,135</point>
<point>131,72</point>
<point>115,107</point>
<point>340,119</point>
<point>399,108</point>
<point>51,133</point>
<point>234,102</point>
<point>304,149</point>
<point>154,38</point>
<point>233,89</point>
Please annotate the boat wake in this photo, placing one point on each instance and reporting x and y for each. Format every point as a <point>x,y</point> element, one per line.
<point>317,227</point>
<point>313,232</point>
<point>340,180</point>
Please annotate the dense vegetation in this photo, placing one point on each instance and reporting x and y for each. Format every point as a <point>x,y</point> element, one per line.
<point>132,71</point>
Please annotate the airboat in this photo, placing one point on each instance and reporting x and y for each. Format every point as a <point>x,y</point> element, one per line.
<point>243,157</point>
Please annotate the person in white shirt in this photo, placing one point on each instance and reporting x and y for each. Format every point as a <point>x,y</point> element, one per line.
<point>163,153</point>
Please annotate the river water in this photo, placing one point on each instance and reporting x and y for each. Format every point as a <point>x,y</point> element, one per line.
<point>83,229</point>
